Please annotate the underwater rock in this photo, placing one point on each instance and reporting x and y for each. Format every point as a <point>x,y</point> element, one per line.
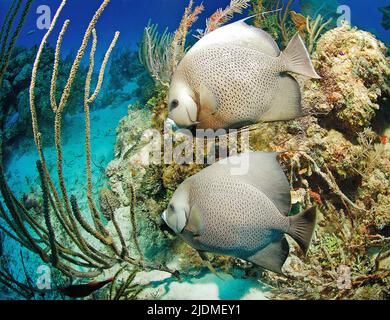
<point>132,166</point>
<point>126,69</point>
<point>355,74</point>
<point>130,130</point>
<point>23,78</point>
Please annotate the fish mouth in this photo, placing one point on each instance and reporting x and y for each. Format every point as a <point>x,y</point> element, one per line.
<point>192,121</point>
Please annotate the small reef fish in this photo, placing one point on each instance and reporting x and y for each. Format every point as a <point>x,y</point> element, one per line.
<point>235,76</point>
<point>245,216</point>
<point>84,290</point>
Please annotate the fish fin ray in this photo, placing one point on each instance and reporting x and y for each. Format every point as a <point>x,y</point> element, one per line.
<point>296,58</point>
<point>285,106</point>
<point>272,257</point>
<point>302,227</point>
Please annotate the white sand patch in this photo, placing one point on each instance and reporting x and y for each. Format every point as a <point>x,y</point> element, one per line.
<point>206,287</point>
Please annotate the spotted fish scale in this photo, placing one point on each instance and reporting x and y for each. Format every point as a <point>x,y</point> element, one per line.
<point>237,76</point>
<point>239,218</point>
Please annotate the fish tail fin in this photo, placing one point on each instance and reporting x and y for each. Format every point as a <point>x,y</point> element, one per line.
<point>285,106</point>
<point>302,227</point>
<point>296,58</point>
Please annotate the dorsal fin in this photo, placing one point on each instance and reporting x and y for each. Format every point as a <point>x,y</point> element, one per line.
<point>240,34</point>
<point>263,172</point>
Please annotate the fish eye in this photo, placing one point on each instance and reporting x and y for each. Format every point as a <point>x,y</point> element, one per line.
<point>171,207</point>
<point>174,104</point>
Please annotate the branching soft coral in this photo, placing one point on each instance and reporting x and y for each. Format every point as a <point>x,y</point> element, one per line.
<point>222,16</point>
<point>178,47</point>
<point>161,53</point>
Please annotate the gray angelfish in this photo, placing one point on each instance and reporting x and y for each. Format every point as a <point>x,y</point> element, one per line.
<point>236,75</point>
<point>245,216</point>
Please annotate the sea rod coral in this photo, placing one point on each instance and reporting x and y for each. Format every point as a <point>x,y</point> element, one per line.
<point>66,239</point>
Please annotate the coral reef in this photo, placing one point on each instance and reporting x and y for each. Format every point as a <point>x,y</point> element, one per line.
<point>78,245</point>
<point>386,17</point>
<point>355,75</point>
<point>156,55</point>
<point>161,53</point>
<point>125,71</point>
<point>222,16</point>
<point>334,160</point>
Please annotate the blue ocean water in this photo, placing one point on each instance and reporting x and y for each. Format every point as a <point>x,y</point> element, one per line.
<point>129,17</point>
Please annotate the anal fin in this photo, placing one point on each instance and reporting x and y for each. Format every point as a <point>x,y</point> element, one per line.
<point>287,103</point>
<point>272,257</point>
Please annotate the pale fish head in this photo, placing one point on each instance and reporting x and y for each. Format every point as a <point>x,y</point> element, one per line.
<point>183,109</point>
<point>175,216</point>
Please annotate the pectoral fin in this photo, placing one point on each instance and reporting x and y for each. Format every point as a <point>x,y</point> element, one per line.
<point>208,101</point>
<point>195,224</point>
<point>272,257</point>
